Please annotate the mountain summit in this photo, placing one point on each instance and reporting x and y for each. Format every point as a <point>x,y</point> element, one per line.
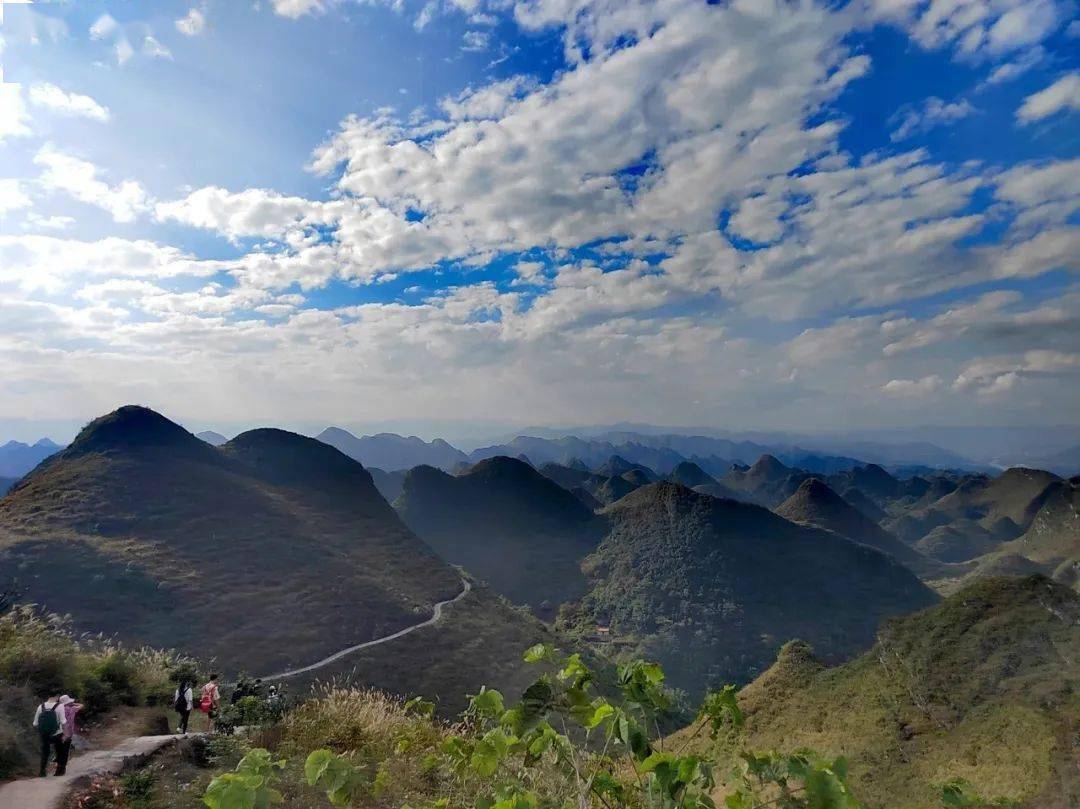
<point>814,503</point>
<point>272,550</point>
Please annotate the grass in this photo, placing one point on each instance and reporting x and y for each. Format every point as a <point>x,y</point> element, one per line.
<point>40,656</point>
<point>985,687</point>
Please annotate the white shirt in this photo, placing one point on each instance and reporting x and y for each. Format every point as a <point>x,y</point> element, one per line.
<point>57,709</point>
<point>188,695</point>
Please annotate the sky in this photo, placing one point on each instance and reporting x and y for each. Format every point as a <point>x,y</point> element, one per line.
<point>745,215</point>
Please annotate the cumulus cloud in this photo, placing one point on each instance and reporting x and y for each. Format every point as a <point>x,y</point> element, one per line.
<point>1063,94</point>
<point>57,100</point>
<point>79,179</point>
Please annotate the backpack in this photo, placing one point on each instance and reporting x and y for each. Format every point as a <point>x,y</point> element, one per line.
<point>48,724</point>
<point>180,704</point>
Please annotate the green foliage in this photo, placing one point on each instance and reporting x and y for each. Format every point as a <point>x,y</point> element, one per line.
<point>563,744</point>
<point>801,780</point>
<point>335,775</point>
<point>249,786</point>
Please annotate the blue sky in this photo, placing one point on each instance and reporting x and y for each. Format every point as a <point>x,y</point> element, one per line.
<point>743,215</point>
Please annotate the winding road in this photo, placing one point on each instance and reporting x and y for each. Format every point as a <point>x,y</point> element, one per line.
<point>326,661</point>
<point>47,793</point>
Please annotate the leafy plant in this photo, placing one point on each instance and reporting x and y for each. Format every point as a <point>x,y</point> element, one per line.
<point>249,786</point>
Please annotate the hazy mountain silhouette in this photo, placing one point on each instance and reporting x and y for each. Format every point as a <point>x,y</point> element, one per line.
<point>711,588</point>
<point>388,483</point>
<point>507,523</point>
<point>212,438</point>
<point>17,458</point>
<point>393,452</point>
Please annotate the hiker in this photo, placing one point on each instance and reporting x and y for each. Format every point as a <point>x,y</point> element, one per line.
<point>71,711</point>
<point>49,721</point>
<point>210,699</point>
<point>183,702</point>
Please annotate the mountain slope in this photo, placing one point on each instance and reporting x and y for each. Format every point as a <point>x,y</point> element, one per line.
<point>271,548</point>
<point>982,686</point>
<point>506,523</point>
<point>393,452</point>
<point>711,588</point>
<point>816,504</point>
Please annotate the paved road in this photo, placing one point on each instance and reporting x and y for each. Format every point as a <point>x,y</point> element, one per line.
<point>46,793</point>
<point>326,661</point>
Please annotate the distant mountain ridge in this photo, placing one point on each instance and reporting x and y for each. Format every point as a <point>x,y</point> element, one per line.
<point>17,458</point>
<point>393,453</point>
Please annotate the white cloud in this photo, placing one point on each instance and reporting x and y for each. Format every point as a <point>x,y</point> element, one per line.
<point>975,28</point>
<point>913,387</point>
<point>34,220</point>
<point>1063,94</point>
<point>49,262</point>
<point>426,15</point>
<point>14,119</point>
<point>191,24</point>
<point>52,97</point>
<point>933,113</point>
<point>103,26</point>
<point>12,196</point>
<point>252,212</point>
<point>78,178</point>
<point>298,8</point>
<point>154,49</point>
<point>1018,67</point>
<point>475,40</point>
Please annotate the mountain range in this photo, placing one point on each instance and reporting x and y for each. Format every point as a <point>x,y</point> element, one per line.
<point>270,550</point>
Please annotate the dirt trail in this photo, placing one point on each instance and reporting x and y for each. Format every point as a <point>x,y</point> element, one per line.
<point>326,661</point>
<point>47,793</point>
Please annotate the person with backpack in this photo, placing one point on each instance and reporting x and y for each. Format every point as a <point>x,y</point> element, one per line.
<point>49,721</point>
<point>183,702</point>
<point>210,699</point>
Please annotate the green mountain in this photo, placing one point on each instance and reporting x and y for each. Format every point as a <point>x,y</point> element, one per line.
<point>985,686</point>
<point>690,475</point>
<point>816,504</point>
<point>767,483</point>
<point>711,588</point>
<point>506,523</point>
<point>271,550</point>
<point>978,514</point>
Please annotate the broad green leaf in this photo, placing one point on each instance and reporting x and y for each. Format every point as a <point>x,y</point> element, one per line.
<point>315,765</point>
<point>488,703</point>
<point>539,652</point>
